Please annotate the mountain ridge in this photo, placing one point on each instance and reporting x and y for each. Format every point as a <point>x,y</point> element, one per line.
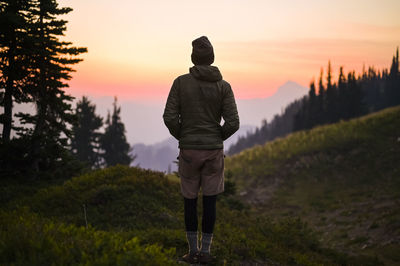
<point>259,109</point>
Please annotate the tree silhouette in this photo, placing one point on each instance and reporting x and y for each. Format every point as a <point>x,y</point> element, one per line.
<point>393,94</point>
<point>313,106</point>
<point>50,68</point>
<point>343,95</point>
<point>86,137</point>
<point>331,113</point>
<point>321,105</point>
<point>113,142</point>
<point>35,67</point>
<point>15,19</point>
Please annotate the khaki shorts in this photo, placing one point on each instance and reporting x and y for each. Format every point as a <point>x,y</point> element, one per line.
<point>201,168</point>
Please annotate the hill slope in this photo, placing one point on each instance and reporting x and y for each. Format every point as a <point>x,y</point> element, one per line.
<point>343,179</point>
<point>135,216</point>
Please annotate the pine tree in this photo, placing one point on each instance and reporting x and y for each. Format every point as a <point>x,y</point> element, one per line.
<point>343,96</point>
<point>312,106</point>
<point>86,137</point>
<point>113,142</point>
<point>393,83</point>
<point>14,57</point>
<point>356,96</point>
<point>50,69</point>
<point>331,115</point>
<point>321,100</point>
<point>301,118</point>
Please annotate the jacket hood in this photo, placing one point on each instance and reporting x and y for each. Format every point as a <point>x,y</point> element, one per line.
<point>206,73</point>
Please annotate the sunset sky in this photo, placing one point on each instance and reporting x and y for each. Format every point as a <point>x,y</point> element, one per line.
<point>136,48</point>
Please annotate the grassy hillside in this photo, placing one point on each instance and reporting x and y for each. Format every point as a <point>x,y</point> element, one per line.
<point>136,217</point>
<point>342,179</point>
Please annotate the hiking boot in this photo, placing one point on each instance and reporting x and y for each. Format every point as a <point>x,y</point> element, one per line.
<point>190,258</point>
<point>205,258</point>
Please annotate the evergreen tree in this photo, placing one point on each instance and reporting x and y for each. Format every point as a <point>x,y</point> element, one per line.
<point>330,97</point>
<point>343,96</point>
<point>393,83</point>
<point>113,142</point>
<point>301,117</point>
<point>312,106</point>
<point>86,137</point>
<point>321,100</point>
<point>50,69</point>
<point>14,57</point>
<point>34,68</point>
<point>356,96</point>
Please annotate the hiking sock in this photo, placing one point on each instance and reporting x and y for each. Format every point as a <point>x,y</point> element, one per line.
<point>206,240</point>
<point>191,237</point>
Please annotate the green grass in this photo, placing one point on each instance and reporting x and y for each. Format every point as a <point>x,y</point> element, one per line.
<point>136,217</point>
<point>343,179</point>
<point>28,239</point>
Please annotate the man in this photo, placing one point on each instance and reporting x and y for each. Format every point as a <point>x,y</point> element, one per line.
<point>193,112</point>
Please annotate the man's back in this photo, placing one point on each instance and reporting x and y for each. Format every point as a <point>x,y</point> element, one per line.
<point>200,99</point>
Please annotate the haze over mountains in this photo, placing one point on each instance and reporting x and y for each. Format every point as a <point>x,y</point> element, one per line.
<point>253,111</point>
<point>161,156</point>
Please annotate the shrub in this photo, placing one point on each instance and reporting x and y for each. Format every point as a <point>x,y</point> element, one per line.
<point>27,239</point>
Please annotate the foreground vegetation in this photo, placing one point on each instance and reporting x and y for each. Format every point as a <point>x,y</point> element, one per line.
<point>135,216</point>
<point>342,179</point>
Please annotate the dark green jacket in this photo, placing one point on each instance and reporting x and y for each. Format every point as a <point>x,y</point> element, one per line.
<point>194,108</point>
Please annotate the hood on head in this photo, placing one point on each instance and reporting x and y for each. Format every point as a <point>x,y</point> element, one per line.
<point>206,73</point>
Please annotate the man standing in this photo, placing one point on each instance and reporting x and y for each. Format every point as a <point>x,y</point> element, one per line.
<point>193,112</point>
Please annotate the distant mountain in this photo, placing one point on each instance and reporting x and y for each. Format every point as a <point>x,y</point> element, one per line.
<point>253,111</point>
<point>161,156</point>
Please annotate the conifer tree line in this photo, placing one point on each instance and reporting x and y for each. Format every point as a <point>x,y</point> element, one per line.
<point>350,96</point>
<point>35,65</point>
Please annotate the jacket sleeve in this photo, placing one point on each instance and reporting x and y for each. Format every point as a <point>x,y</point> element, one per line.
<point>171,114</point>
<point>229,113</point>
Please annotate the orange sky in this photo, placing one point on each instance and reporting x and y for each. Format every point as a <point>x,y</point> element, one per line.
<point>137,48</point>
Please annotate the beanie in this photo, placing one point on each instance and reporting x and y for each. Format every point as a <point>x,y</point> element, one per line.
<point>203,52</point>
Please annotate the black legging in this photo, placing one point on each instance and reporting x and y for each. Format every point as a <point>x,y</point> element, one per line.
<point>209,214</point>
